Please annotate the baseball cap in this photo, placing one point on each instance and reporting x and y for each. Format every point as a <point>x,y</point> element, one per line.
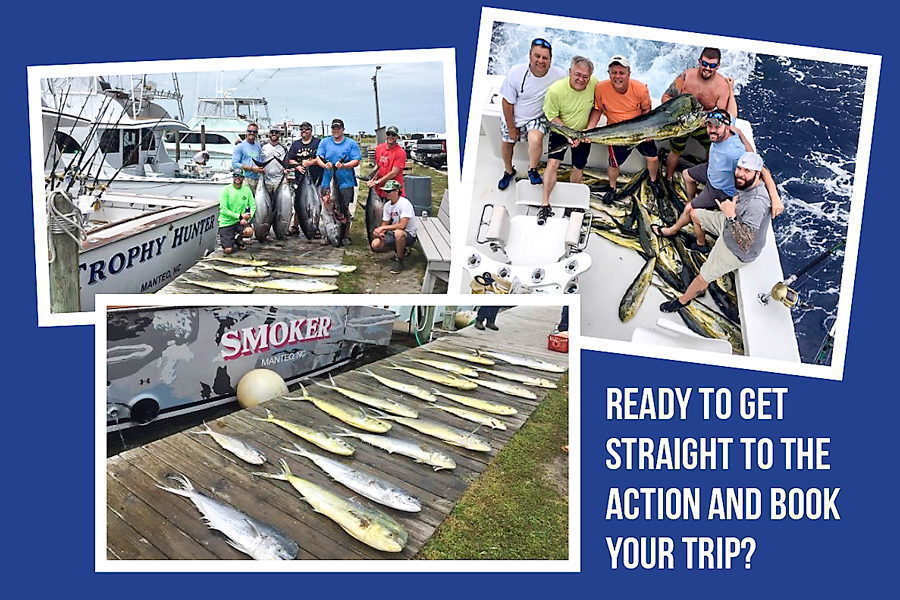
<point>337,123</point>
<point>237,172</point>
<point>392,130</point>
<point>721,117</point>
<point>618,58</point>
<point>750,160</point>
<point>305,125</point>
<point>391,185</point>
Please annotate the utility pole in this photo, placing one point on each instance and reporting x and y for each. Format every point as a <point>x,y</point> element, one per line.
<point>377,110</point>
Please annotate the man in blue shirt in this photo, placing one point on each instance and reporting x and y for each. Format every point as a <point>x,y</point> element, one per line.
<point>245,153</point>
<point>342,154</point>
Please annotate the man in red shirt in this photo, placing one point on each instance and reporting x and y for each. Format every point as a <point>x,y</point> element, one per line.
<point>391,160</point>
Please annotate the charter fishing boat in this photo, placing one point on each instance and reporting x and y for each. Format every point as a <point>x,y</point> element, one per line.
<point>118,142</point>
<point>167,361</point>
<point>219,124</point>
<point>503,240</point>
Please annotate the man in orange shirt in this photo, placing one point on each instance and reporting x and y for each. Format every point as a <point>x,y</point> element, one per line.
<point>622,98</point>
<point>391,160</point>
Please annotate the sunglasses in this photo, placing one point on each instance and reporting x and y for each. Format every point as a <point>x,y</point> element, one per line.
<point>542,43</point>
<point>703,63</point>
<point>306,129</point>
<point>253,131</point>
<point>336,127</point>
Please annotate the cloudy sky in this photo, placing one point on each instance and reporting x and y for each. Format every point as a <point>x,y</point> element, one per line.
<point>410,95</point>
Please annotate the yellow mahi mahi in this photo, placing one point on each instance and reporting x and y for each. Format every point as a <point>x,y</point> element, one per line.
<point>448,380</point>
<point>350,415</point>
<point>321,439</point>
<point>485,405</point>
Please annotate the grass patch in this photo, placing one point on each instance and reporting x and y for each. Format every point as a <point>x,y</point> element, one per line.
<point>518,507</point>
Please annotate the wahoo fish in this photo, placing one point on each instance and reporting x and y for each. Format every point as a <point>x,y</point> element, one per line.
<point>241,271</point>
<point>308,206</point>
<point>221,286</point>
<point>371,527</point>
<point>507,388</point>
<point>309,270</point>
<point>421,454</point>
<point>679,116</point>
<point>243,450</point>
<point>238,260</point>
<point>447,366</point>
<point>707,322</point>
<point>374,210</point>
<point>385,404</point>
<point>448,380</point>
<point>632,243</point>
<point>284,208</point>
<point>635,293</point>
<point>350,415</point>
<point>445,433</point>
<point>526,379</point>
<point>323,440</point>
<point>308,286</point>
<point>485,405</point>
<point>265,212</point>
<point>364,483</point>
<point>524,361</point>
<point>245,534</point>
<point>471,415</point>
<point>466,356</point>
<point>406,388</point>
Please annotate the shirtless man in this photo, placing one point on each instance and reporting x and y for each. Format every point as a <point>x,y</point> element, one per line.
<point>711,90</point>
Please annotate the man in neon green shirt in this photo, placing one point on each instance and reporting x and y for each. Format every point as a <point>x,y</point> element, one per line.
<point>236,208</point>
<point>569,102</point>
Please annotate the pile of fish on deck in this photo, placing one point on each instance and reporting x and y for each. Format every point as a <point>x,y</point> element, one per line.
<point>627,222</point>
<point>370,525</point>
<point>250,273</point>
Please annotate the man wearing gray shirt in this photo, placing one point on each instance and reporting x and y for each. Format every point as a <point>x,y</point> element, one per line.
<point>741,227</point>
<point>523,93</point>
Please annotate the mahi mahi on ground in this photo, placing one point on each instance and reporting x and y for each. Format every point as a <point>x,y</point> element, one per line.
<point>526,361</point>
<point>349,414</point>
<point>386,404</point>
<point>241,271</point>
<point>634,295</point>
<point>445,433</point>
<point>485,405</point>
<point>448,380</point>
<point>306,286</point>
<point>221,286</point>
<point>323,440</point>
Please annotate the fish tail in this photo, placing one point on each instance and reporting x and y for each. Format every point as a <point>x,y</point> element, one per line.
<point>207,431</point>
<point>298,449</point>
<point>186,486</point>
<point>344,432</point>
<point>268,416</point>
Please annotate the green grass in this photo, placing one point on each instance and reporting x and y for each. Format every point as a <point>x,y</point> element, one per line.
<point>512,511</point>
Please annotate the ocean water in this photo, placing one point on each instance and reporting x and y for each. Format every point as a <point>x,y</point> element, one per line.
<point>806,118</point>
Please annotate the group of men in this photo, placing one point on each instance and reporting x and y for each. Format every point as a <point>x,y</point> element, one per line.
<point>734,179</point>
<point>318,159</point>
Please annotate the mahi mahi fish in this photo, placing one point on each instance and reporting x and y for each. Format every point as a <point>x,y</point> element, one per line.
<point>485,405</point>
<point>632,243</point>
<point>339,268</point>
<point>265,212</point>
<point>323,440</point>
<point>679,116</point>
<point>635,293</point>
<point>471,415</point>
<point>466,356</point>
<point>385,404</point>
<point>526,379</point>
<point>221,286</point>
<point>406,388</point>
<point>258,540</point>
<point>524,361</point>
<point>308,286</point>
<point>370,526</point>
<point>351,415</point>
<point>309,270</point>
<point>243,450</point>
<point>239,260</point>
<point>448,380</point>
<point>447,366</point>
<point>507,388</point>
<point>707,322</point>
<point>392,445</point>
<point>362,482</point>
<point>241,271</point>
<point>445,433</point>
<point>308,206</point>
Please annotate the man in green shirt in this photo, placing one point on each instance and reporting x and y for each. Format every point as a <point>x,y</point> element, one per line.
<point>236,208</point>
<point>569,102</point>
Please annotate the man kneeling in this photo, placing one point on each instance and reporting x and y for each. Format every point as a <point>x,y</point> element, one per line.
<point>399,228</point>
<point>741,227</point>
<point>236,208</point>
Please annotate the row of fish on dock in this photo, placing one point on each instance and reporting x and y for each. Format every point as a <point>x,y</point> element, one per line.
<point>627,222</point>
<point>247,274</point>
<point>370,525</point>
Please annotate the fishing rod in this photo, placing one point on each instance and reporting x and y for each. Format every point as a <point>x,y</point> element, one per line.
<point>827,346</point>
<point>70,135</point>
<point>782,291</point>
<point>72,168</point>
<point>137,149</point>
<point>53,139</point>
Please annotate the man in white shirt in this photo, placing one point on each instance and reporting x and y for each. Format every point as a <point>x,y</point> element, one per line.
<point>523,93</point>
<point>399,226</point>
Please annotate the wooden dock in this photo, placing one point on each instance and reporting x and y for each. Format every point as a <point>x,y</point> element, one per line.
<point>295,250</point>
<point>144,522</point>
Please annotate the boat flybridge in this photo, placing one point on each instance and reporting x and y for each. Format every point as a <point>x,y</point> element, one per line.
<point>219,124</point>
<point>504,241</point>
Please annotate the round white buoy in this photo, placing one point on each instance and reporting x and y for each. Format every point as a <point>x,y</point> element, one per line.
<point>258,386</point>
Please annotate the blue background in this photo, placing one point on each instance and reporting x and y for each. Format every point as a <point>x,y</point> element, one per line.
<point>47,518</point>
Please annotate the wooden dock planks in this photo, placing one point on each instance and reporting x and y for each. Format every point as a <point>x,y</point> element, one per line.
<point>145,522</point>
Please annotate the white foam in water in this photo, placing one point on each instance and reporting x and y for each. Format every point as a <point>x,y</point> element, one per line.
<point>653,63</point>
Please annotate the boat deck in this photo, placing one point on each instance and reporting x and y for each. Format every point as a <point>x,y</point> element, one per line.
<point>292,251</point>
<point>144,522</point>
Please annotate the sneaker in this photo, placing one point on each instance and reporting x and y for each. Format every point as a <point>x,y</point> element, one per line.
<point>670,306</point>
<point>479,325</point>
<point>544,213</point>
<point>492,326</point>
<point>534,177</point>
<point>609,197</point>
<point>398,267</point>
<point>505,180</point>
<point>657,189</point>
<point>704,249</point>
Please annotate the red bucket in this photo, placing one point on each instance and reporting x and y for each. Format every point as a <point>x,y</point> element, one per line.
<point>558,342</point>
